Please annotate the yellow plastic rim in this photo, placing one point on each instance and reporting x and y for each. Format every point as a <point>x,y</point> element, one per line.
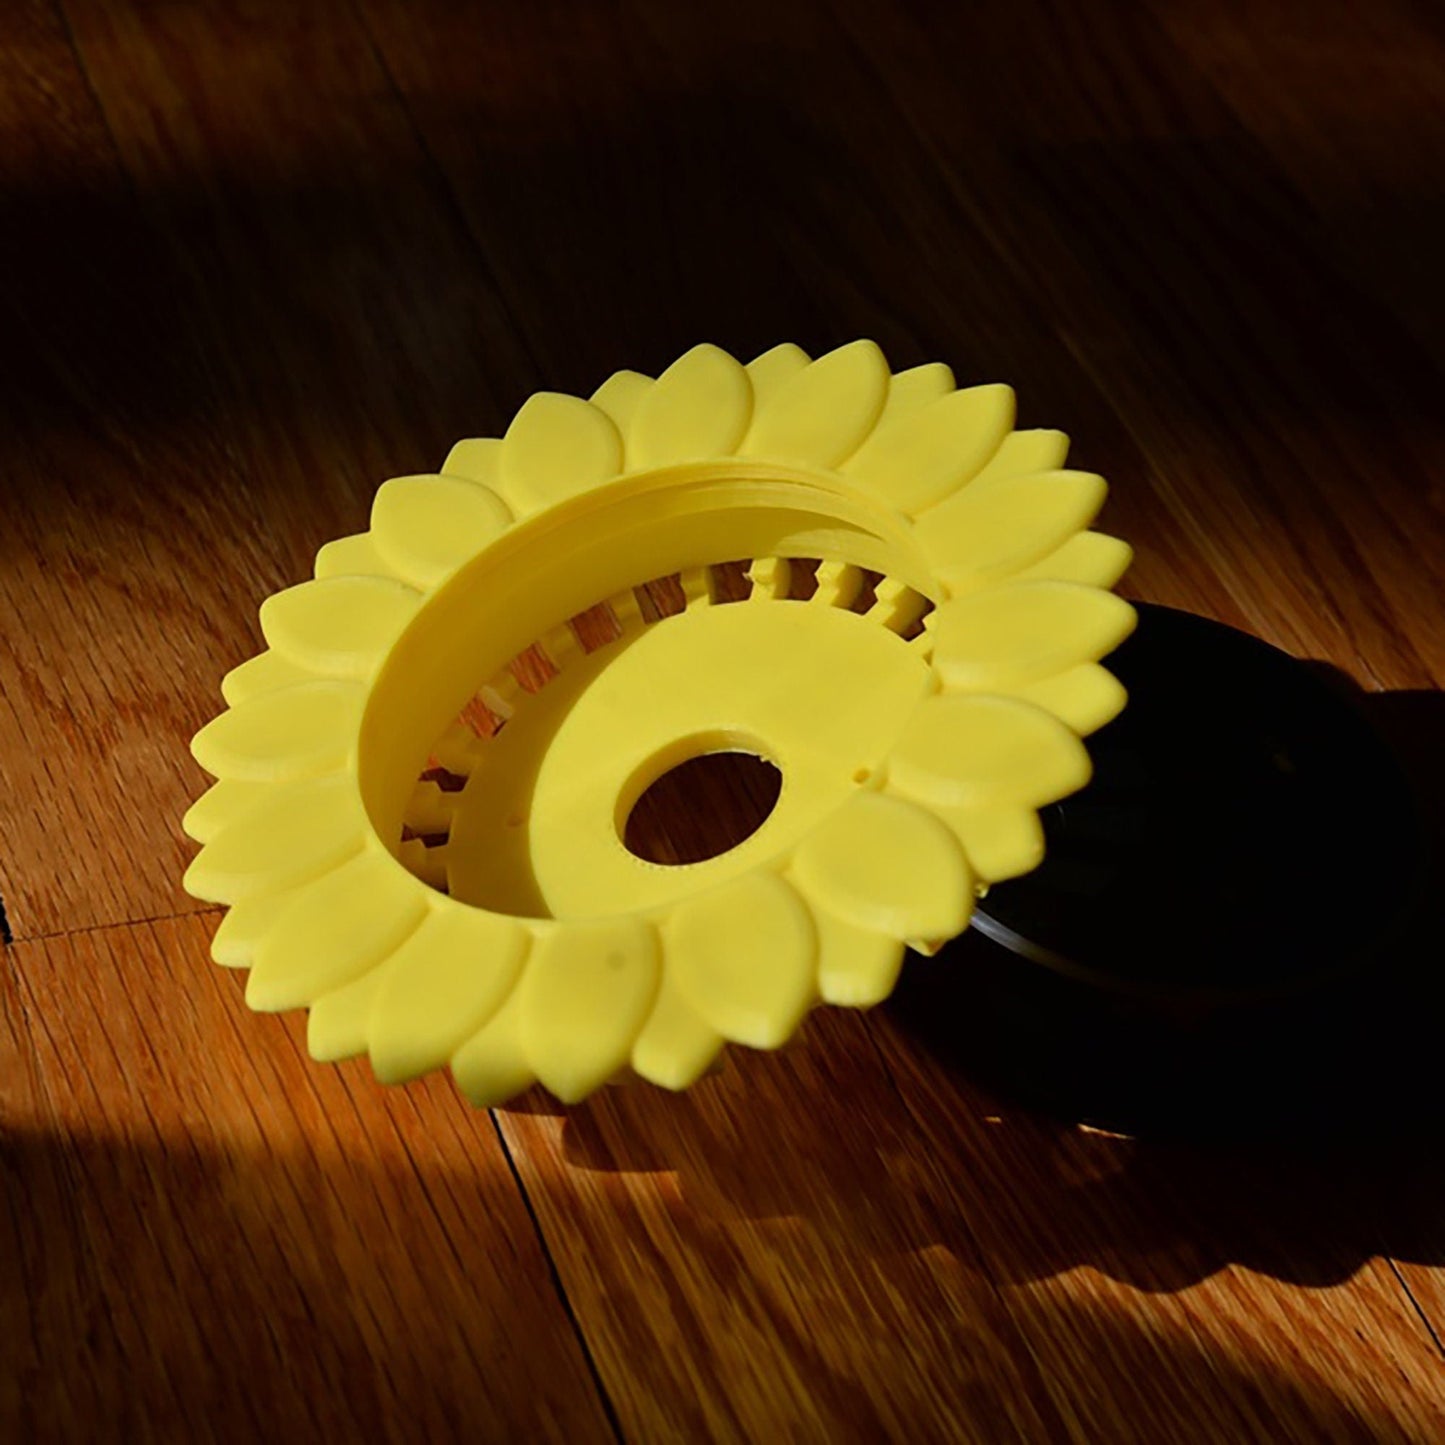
<point>916,733</point>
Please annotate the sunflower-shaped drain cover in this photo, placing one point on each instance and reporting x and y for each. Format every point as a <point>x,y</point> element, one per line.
<point>425,782</point>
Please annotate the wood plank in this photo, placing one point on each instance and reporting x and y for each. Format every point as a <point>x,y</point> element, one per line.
<point>227,330</point>
<point>246,1245</point>
<point>772,1256</point>
<point>1234,1292</point>
<point>1346,98</point>
<point>1289,438</point>
<point>1426,1283</point>
<point>1157,1290</point>
<point>797,203</point>
<point>629,207</point>
<point>111,464</point>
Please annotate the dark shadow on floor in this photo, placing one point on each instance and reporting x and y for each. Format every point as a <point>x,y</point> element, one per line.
<point>159,1293</point>
<point>184,1292</point>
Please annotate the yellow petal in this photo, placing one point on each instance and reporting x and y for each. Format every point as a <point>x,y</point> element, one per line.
<point>1084,697</point>
<point>1024,452</point>
<point>1001,842</point>
<point>926,454</point>
<point>822,415</point>
<point>336,1026</point>
<point>700,407</point>
<point>442,985</point>
<point>857,968</point>
<point>336,929</point>
<point>491,1066</point>
<point>297,832</point>
<point>1089,557</point>
<point>476,459</point>
<point>296,732</point>
<point>886,866</point>
<point>556,447</point>
<point>744,956</point>
<point>909,390</point>
<point>620,396</point>
<point>979,535</point>
<point>219,806</point>
<point>340,627</point>
<point>772,370</point>
<point>426,527</point>
<point>354,556</point>
<point>675,1047</point>
<point>586,993</point>
<point>266,672</point>
<point>979,751</point>
<point>1002,638</point>
<point>246,923</point>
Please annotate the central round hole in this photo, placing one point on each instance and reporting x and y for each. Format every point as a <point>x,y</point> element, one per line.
<point>702,808</point>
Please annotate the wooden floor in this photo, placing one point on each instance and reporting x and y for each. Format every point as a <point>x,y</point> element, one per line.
<point>255,258</point>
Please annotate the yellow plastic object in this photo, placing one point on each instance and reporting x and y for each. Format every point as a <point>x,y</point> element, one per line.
<point>917,653</point>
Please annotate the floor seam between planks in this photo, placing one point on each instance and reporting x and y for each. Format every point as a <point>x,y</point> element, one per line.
<point>209,911</point>
<point>1415,1304</point>
<point>614,1424</point>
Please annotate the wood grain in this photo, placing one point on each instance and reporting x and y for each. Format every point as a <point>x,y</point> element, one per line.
<point>748,1268</point>
<point>1242,1254</point>
<point>255,258</point>
<point>1336,94</point>
<point>227,338</point>
<point>219,1241</point>
<point>1290,425</point>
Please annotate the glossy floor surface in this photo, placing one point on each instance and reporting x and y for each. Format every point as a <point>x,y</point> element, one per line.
<point>255,258</point>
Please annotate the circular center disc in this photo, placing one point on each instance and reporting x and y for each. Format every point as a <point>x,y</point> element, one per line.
<point>821,692</point>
